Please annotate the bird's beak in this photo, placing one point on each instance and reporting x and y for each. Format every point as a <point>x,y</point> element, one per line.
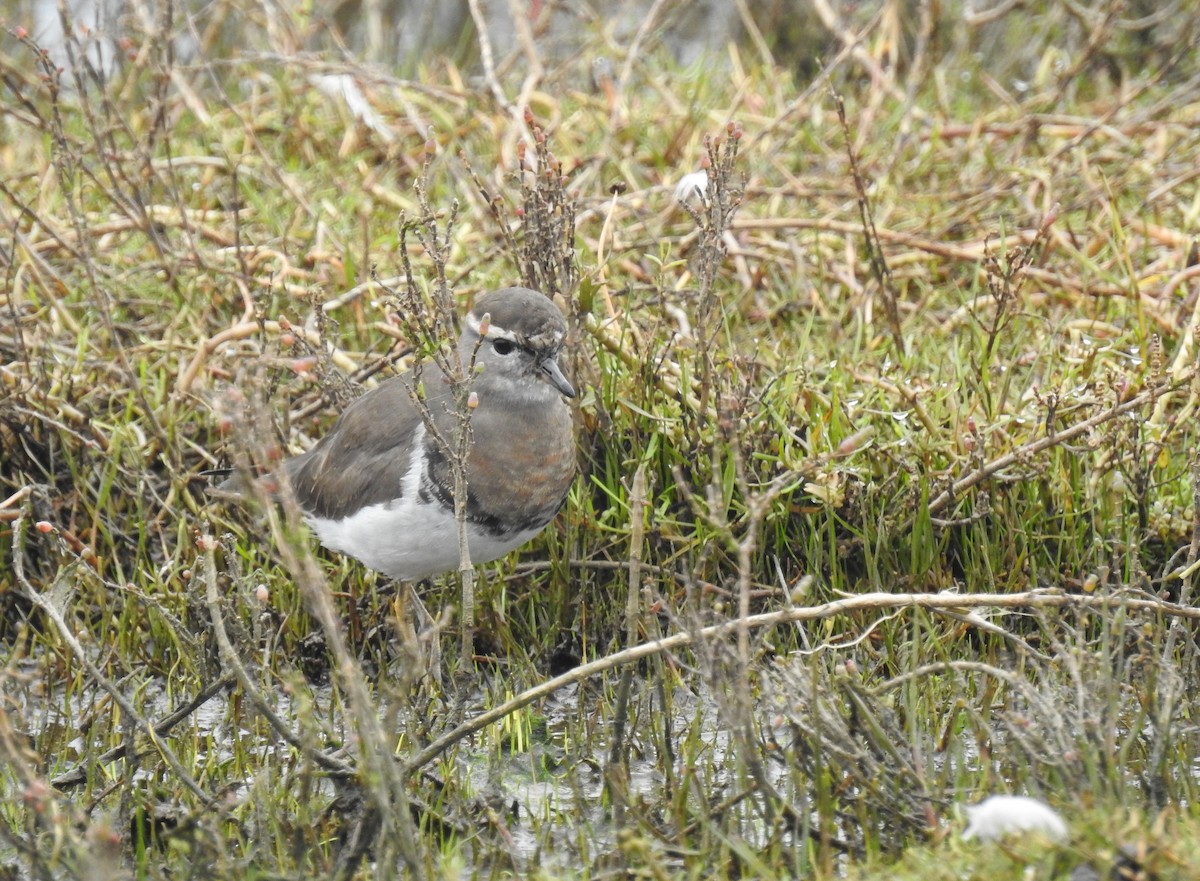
<point>551,369</point>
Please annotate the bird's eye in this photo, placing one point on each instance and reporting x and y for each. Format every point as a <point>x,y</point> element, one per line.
<point>503,347</point>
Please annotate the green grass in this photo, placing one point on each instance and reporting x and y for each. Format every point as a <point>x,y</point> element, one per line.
<point>798,444</point>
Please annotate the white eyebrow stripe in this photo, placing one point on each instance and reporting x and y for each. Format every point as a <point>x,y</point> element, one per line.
<point>494,332</point>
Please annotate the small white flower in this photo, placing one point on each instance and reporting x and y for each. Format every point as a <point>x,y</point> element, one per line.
<point>999,816</point>
<point>692,188</point>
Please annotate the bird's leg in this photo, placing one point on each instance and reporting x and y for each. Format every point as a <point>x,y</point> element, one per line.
<point>419,635</point>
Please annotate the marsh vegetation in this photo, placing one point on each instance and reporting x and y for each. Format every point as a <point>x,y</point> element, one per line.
<point>888,491</point>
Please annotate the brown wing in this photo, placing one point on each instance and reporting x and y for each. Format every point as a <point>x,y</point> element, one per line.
<point>364,457</point>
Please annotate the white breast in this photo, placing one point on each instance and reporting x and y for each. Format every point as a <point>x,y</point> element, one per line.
<point>408,540</point>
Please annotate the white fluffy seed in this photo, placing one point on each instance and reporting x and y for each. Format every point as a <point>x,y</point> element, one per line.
<point>692,188</point>
<point>999,816</point>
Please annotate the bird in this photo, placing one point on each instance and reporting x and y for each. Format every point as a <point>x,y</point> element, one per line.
<point>379,486</point>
